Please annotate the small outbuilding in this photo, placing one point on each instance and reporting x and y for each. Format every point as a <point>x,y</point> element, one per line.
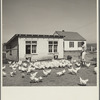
<point>35,47</point>
<point>72,40</point>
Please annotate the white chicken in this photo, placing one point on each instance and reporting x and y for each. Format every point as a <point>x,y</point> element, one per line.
<point>95,70</point>
<point>25,64</point>
<point>11,74</point>
<point>3,68</point>
<point>61,72</point>
<point>23,69</point>
<point>48,71</point>
<point>19,62</point>
<point>33,74</point>
<point>87,65</point>
<point>4,74</point>
<point>77,64</point>
<point>72,71</point>
<point>78,69</point>
<point>30,69</point>
<point>83,82</point>
<point>20,68</point>
<point>40,79</point>
<point>9,62</point>
<point>45,73</point>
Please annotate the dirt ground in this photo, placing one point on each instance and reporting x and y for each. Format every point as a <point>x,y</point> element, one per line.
<point>53,79</point>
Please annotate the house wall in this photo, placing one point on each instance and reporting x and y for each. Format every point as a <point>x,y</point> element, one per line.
<point>14,50</point>
<point>67,48</point>
<point>42,48</point>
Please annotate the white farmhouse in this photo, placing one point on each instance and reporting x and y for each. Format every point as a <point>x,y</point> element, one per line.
<point>35,47</point>
<point>72,40</point>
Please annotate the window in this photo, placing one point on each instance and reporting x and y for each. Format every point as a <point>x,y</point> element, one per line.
<point>31,47</point>
<point>79,44</point>
<point>53,45</point>
<point>34,45</point>
<point>71,44</point>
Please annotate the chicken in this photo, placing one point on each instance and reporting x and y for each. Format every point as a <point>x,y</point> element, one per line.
<point>45,73</point>
<point>4,74</point>
<point>23,69</point>
<point>11,74</point>
<point>78,69</point>
<point>83,82</point>
<point>19,62</point>
<point>40,79</point>
<point>95,70</point>
<point>25,64</point>
<point>34,74</point>
<point>77,64</point>
<point>3,68</point>
<point>87,65</point>
<point>61,73</point>
<point>30,69</point>
<point>36,80</point>
<point>9,62</point>
<point>48,71</point>
<point>72,71</point>
<point>20,68</point>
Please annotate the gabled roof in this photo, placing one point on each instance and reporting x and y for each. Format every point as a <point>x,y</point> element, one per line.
<point>71,36</point>
<point>32,36</point>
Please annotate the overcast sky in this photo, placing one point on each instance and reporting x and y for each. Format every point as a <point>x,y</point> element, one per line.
<point>48,16</point>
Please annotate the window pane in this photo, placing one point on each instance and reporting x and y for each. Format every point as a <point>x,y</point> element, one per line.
<point>50,42</point>
<point>33,48</point>
<point>50,48</point>
<point>71,44</point>
<point>34,42</point>
<point>55,42</point>
<point>55,48</point>
<point>28,49</point>
<point>28,42</point>
<point>79,44</point>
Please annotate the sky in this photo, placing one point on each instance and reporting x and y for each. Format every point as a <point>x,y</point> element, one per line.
<point>48,16</point>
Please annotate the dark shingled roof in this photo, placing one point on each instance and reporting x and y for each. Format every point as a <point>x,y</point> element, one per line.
<point>71,36</point>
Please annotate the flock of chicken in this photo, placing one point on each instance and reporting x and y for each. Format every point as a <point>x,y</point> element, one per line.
<point>30,68</point>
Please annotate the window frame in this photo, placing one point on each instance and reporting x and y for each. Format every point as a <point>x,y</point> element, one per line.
<point>80,43</point>
<point>70,46</point>
<point>53,44</point>
<point>31,46</point>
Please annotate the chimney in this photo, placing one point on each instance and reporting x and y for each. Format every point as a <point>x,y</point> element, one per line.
<point>63,31</point>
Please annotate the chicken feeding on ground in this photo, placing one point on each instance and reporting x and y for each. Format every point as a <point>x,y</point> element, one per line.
<point>45,72</point>
<point>78,69</point>
<point>48,71</point>
<point>95,70</point>
<point>23,69</point>
<point>4,74</point>
<point>72,71</point>
<point>19,62</point>
<point>61,73</point>
<point>30,69</point>
<point>40,79</point>
<point>77,64</point>
<point>87,65</point>
<point>83,82</point>
<point>9,62</point>
<point>33,76</point>
<point>12,74</point>
<point>3,68</point>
